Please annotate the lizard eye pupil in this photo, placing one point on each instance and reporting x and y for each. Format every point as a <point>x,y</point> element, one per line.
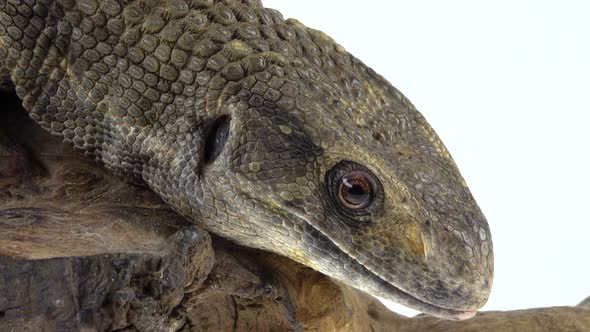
<point>355,189</point>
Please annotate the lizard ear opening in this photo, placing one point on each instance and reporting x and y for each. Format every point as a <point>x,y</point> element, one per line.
<point>216,138</point>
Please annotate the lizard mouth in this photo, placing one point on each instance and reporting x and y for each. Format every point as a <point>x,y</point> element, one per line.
<point>388,291</point>
<point>380,286</point>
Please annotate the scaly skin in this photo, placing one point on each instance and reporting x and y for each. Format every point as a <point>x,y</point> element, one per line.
<point>140,86</point>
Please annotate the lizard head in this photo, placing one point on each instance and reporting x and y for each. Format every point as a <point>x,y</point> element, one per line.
<point>334,168</point>
<point>318,158</point>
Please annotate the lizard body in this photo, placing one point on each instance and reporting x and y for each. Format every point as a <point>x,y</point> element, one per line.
<point>262,130</point>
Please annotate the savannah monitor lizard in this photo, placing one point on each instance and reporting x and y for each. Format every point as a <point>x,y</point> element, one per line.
<point>260,129</point>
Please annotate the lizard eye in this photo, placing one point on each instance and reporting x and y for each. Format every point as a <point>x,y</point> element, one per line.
<point>355,189</point>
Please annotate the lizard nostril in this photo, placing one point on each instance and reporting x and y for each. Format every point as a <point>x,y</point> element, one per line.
<point>216,138</point>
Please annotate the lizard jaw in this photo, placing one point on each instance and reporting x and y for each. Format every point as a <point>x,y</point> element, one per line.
<point>379,286</point>
<point>390,292</point>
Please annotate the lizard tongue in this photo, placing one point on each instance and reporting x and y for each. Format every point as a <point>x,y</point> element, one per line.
<point>465,315</point>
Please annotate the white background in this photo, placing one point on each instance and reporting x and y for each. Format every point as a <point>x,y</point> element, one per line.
<point>506,84</point>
